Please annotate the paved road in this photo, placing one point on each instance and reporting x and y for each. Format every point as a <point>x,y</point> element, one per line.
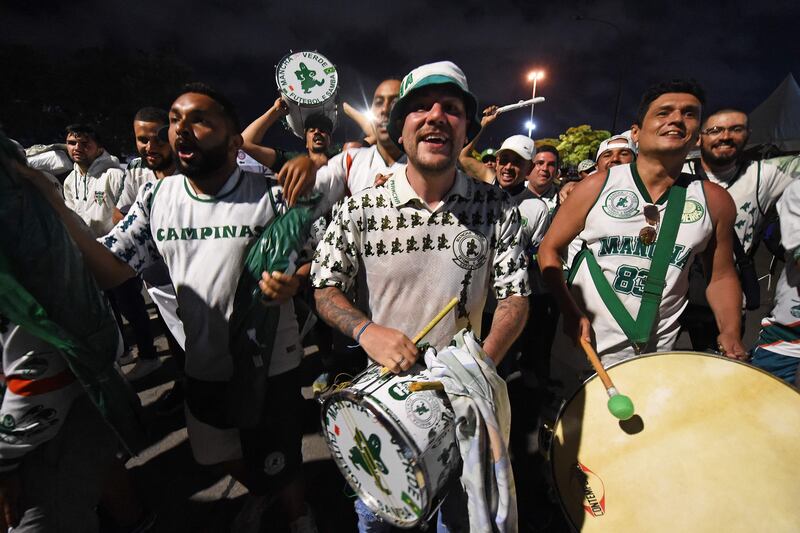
<point>191,498</point>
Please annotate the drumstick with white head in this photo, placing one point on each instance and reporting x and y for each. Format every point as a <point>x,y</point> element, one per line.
<point>618,404</point>
<point>424,331</point>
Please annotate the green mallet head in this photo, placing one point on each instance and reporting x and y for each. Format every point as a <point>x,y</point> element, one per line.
<point>620,406</point>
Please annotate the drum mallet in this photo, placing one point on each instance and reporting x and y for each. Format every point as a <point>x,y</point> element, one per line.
<point>619,405</point>
<point>424,331</point>
<point>520,104</point>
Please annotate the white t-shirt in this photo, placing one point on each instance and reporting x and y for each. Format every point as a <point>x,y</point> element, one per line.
<point>780,331</point>
<point>203,241</point>
<point>136,175</point>
<point>94,195</point>
<point>754,191</point>
<point>535,219</point>
<point>365,165</point>
<point>411,260</point>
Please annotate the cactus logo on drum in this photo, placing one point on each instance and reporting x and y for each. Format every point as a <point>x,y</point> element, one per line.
<point>307,78</point>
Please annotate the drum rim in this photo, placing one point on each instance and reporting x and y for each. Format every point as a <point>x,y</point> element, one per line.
<point>406,445</point>
<point>568,401</point>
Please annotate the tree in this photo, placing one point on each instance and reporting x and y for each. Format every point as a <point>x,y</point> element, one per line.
<point>577,144</point>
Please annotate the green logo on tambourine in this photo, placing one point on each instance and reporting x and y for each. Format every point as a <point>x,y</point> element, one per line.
<point>307,78</point>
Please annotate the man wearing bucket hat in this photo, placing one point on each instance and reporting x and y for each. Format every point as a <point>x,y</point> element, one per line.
<point>428,218</point>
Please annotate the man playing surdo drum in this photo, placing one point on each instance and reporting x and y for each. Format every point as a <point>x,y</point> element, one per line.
<point>622,215</point>
<point>429,234</point>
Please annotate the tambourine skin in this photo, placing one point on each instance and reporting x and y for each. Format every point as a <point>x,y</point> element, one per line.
<point>396,448</point>
<point>309,84</point>
<point>713,446</point>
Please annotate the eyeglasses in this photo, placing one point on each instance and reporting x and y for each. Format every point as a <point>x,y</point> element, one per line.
<point>647,235</point>
<point>716,131</point>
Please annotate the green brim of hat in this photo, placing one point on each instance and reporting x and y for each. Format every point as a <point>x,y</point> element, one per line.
<point>398,113</point>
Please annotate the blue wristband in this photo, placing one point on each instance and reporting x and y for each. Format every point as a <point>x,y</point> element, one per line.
<point>360,332</point>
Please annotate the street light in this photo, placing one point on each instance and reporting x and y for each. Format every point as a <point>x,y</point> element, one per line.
<point>533,76</point>
<point>530,125</point>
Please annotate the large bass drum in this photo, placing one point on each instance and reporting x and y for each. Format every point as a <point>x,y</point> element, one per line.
<point>309,84</point>
<point>714,446</point>
<point>396,448</point>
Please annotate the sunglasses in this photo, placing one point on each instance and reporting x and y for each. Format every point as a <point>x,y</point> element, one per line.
<point>647,235</point>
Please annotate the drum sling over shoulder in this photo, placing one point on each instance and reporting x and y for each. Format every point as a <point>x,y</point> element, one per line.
<point>638,330</point>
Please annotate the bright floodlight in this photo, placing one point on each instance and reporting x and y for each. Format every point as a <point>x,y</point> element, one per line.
<point>369,114</point>
<point>535,75</point>
<point>530,125</point>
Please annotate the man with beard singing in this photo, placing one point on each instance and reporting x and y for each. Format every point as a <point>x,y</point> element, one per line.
<point>201,223</point>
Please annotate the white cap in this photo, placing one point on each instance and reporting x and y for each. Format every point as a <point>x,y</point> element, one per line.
<point>520,145</point>
<point>622,140</point>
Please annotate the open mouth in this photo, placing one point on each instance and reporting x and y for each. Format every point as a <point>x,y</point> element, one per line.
<point>435,139</point>
<point>185,151</point>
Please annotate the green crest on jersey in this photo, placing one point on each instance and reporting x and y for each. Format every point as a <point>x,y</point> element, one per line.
<point>621,204</point>
<point>692,212</point>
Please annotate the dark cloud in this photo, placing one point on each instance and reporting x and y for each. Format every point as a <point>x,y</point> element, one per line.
<point>739,50</point>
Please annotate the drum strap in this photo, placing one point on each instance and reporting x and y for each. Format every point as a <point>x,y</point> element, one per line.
<point>638,330</point>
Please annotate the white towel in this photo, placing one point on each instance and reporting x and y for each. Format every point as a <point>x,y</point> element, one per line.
<point>483,421</point>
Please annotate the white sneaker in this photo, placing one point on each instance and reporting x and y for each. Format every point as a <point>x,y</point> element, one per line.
<point>127,358</point>
<point>142,368</point>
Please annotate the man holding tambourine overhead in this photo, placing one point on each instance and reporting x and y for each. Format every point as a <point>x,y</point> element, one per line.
<point>643,223</point>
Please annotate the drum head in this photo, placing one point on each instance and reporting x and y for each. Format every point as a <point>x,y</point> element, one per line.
<point>307,78</point>
<point>376,458</point>
<point>714,446</point>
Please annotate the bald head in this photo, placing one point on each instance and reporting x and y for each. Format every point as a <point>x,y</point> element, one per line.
<point>382,101</point>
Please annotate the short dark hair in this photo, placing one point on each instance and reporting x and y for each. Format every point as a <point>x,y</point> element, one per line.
<point>320,122</point>
<point>551,149</point>
<point>83,130</point>
<point>688,86</point>
<point>227,106</point>
<point>152,114</point>
<point>727,109</point>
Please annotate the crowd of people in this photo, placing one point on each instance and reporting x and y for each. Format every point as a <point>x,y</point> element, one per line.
<point>642,244</point>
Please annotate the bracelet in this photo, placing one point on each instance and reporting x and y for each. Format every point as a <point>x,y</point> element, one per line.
<point>360,332</point>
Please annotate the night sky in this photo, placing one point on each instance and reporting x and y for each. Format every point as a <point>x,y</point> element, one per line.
<point>740,51</point>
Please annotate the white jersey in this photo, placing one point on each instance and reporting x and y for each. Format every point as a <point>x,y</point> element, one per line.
<point>136,175</point>
<point>780,331</point>
<point>550,197</point>
<point>94,195</point>
<point>411,260</point>
<point>611,233</point>
<point>203,241</point>
<point>754,189</point>
<point>535,218</point>
<point>358,168</point>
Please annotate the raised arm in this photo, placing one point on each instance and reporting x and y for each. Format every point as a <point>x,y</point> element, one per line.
<point>363,122</point>
<point>724,292</point>
<point>254,134</point>
<point>106,268</point>
<point>472,166</point>
<point>568,223</point>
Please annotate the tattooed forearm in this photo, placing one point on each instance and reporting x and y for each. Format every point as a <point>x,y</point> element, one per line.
<point>508,322</point>
<point>337,311</point>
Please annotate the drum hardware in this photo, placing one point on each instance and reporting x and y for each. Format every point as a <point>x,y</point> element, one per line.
<point>393,438</point>
<point>618,404</point>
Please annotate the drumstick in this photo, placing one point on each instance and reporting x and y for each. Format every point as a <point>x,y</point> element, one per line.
<point>424,331</point>
<point>619,405</point>
<point>418,386</point>
<point>520,104</point>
